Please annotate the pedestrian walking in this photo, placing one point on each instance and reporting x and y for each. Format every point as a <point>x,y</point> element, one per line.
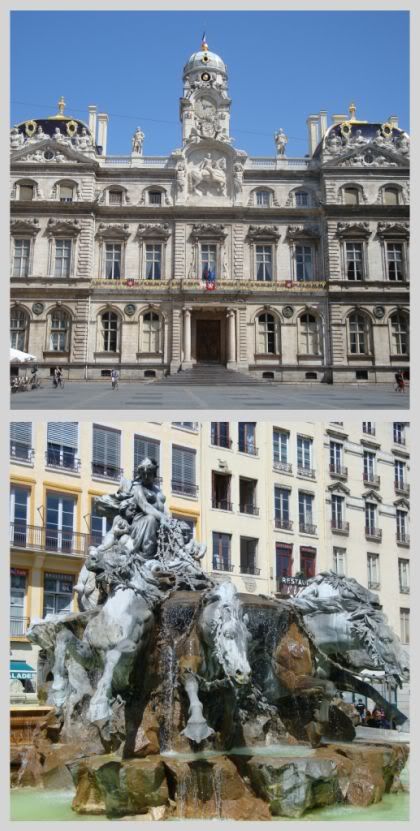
<point>399,382</point>
<point>114,379</point>
<point>58,377</point>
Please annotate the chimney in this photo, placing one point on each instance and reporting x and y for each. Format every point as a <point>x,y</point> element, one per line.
<point>92,121</point>
<point>393,120</point>
<point>313,132</point>
<point>337,119</point>
<point>323,122</point>
<point>102,131</point>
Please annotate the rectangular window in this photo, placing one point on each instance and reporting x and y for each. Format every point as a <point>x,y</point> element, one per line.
<point>248,554</point>
<point>58,593</point>
<point>22,249</point>
<point>337,511</point>
<point>282,508</point>
<point>284,561</point>
<point>369,464</point>
<point>301,199</point>
<point>26,193</point>
<point>263,198</point>
<point>307,561</point>
<point>281,448</point>
<point>155,197</point>
<point>21,440</point>
<point>402,525</point>
<point>62,257</point>
<point>306,502</point>
<point>99,525</point>
<point>62,443</point>
<point>60,522</point>
<point>399,474</point>
<point>405,625</point>
<point>246,433</point>
<point>220,491</point>
<point>115,197</point>
<point>66,193</point>
<point>369,428</point>
<point>370,517</point>
<point>394,258</point>
<point>19,498</point>
<point>220,434</point>
<point>248,496</point>
<point>18,584</point>
<point>336,457</point>
<point>373,571</point>
<point>208,262</point>
<point>221,551</point>
<point>153,262</point>
<point>264,262</point>
<point>354,261</point>
<point>399,432</point>
<point>339,560</point>
<point>304,453</point>
<point>187,425</point>
<point>304,263</point>
<point>404,575</point>
<point>184,471</point>
<point>113,255</point>
<point>145,448</point>
<point>106,459</point>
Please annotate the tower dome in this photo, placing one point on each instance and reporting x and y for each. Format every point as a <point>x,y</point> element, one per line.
<point>204,60</point>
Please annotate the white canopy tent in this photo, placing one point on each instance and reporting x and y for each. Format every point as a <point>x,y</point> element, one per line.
<point>19,357</point>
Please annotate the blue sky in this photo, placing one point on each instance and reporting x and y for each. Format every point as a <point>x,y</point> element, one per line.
<point>282,67</point>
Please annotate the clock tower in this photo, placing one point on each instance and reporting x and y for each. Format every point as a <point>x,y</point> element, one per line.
<point>205,105</point>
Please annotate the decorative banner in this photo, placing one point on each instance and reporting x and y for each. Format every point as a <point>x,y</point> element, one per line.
<point>129,283</point>
<point>210,285</point>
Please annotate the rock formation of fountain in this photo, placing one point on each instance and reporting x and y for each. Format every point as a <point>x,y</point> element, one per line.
<point>178,697</point>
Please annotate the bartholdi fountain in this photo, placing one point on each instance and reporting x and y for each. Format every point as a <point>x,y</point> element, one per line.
<point>176,697</point>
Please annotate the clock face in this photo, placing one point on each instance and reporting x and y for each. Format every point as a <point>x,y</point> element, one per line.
<point>205,108</point>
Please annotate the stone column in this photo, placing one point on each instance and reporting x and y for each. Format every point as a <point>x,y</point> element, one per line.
<point>187,338</point>
<point>231,338</point>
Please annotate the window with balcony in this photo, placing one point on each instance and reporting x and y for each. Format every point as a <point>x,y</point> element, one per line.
<point>339,560</point>
<point>373,571</point>
<point>307,561</point>
<point>184,471</point>
<point>247,438</point>
<point>22,249</point>
<point>354,261</point>
<point>336,460</point>
<point>248,496</point>
<point>106,455</point>
<point>58,593</point>
<point>59,534</point>
<point>284,565</point>
<point>369,468</point>
<point>145,448</point>
<point>306,513</point>
<point>400,476</point>
<point>248,555</point>
<point>208,256</point>
<point>304,456</point>
<point>62,444</point>
<point>404,576</point>
<point>220,434</point>
<point>113,257</point>
<point>222,551</point>
<point>281,450</point>
<point>282,508</point>
<point>19,499</point>
<point>402,526</point>
<point>220,491</point>
<point>62,257</point>
<point>371,523</point>
<point>399,432</point>
<point>21,441</point>
<point>405,626</point>
<point>153,261</point>
<point>338,522</point>
<point>18,587</point>
<point>264,262</point>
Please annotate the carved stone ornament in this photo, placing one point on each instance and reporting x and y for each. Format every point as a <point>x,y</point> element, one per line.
<point>393,229</point>
<point>207,175</point>
<point>379,312</point>
<point>201,230</point>
<point>302,231</point>
<point>38,308</point>
<point>360,229</point>
<point>153,230</point>
<point>113,231</point>
<point>70,227</point>
<point>288,311</point>
<point>257,232</point>
<point>25,226</point>
<point>130,309</point>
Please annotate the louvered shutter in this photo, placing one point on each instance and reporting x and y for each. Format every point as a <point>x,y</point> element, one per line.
<point>145,448</point>
<point>21,432</point>
<point>183,466</point>
<point>106,446</point>
<point>63,433</point>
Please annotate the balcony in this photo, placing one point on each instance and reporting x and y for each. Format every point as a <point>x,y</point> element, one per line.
<point>372,533</point>
<point>307,528</point>
<point>249,449</point>
<point>19,626</point>
<point>284,467</point>
<point>283,524</point>
<point>399,439</point>
<point>371,479</point>
<point>306,471</point>
<point>104,471</point>
<point>402,487</point>
<point>338,526</point>
<point>338,471</point>
<point>402,537</point>
<point>184,488</point>
<point>221,442</point>
<point>250,569</point>
<point>221,504</point>
<point>40,538</point>
<point>374,584</point>
<point>64,462</point>
<point>404,589</point>
<point>222,565</point>
<point>21,452</point>
<point>249,509</point>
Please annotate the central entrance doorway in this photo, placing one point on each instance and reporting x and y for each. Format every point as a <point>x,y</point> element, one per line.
<point>208,341</point>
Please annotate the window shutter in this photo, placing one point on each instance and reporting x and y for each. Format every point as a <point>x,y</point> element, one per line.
<point>64,433</point>
<point>21,432</point>
<point>183,465</point>
<point>106,446</point>
<point>145,448</point>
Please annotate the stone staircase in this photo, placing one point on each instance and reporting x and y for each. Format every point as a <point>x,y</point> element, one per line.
<point>209,375</point>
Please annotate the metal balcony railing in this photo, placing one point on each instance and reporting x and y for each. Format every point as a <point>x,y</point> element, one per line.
<point>307,528</point>
<point>338,470</point>
<point>250,449</point>
<point>399,439</point>
<point>306,471</point>
<point>249,569</point>
<point>285,467</point>
<point>285,524</point>
<point>41,538</point>
<point>221,504</point>
<point>246,508</point>
<point>340,526</point>
<point>402,537</point>
<point>221,442</point>
<point>371,479</point>
<point>19,626</point>
<point>401,487</point>
<point>21,452</point>
<point>372,533</point>
<point>104,471</point>
<point>404,589</point>
<point>184,488</point>
<point>222,565</point>
<point>374,584</point>
<point>64,462</point>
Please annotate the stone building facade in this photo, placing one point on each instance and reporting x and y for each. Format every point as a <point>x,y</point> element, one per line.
<point>281,267</point>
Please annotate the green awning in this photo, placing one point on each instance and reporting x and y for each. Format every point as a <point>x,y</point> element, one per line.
<point>20,670</point>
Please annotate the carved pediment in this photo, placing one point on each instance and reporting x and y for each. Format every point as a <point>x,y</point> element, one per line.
<point>402,503</point>
<point>259,232</point>
<point>371,496</point>
<point>351,229</point>
<point>202,230</point>
<point>369,155</point>
<point>50,151</point>
<point>69,227</point>
<point>302,232</point>
<point>29,227</point>
<point>113,231</point>
<point>153,230</point>
<point>338,487</point>
<point>393,229</point>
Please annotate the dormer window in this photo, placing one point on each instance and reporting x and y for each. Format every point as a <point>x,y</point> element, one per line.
<point>66,193</point>
<point>26,193</point>
<point>262,198</point>
<point>302,199</point>
<point>115,197</point>
<point>155,197</point>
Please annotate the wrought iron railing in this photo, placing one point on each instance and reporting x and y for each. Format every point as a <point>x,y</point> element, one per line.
<point>221,504</point>
<point>307,528</point>
<point>184,488</point>
<point>42,538</point>
<point>402,537</point>
<point>104,471</point>
<point>19,626</point>
<point>285,467</point>
<point>222,565</point>
<point>246,508</point>
<point>64,462</point>
<point>306,471</point>
<point>338,470</point>
<point>249,569</point>
<point>21,452</point>
<point>373,533</point>
<point>371,479</point>
<point>285,524</point>
<point>340,526</point>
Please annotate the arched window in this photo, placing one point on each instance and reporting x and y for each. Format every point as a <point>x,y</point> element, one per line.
<point>152,332</point>
<point>59,331</point>
<point>351,196</point>
<point>309,335</point>
<point>66,192</point>
<point>109,331</point>
<point>115,196</point>
<point>155,197</point>
<point>359,334</point>
<point>390,196</point>
<point>399,333</point>
<point>301,199</point>
<point>266,334</point>
<point>26,193</point>
<point>19,327</point>
<point>263,198</point>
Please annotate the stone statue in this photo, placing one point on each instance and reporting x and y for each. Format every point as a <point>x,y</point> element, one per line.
<point>210,175</point>
<point>379,139</point>
<point>358,138</point>
<point>83,140</point>
<point>181,178</point>
<point>238,176</point>
<point>280,139</point>
<point>137,142</point>
<point>58,136</point>
<point>16,138</point>
<point>403,144</point>
<point>334,143</point>
<point>39,135</point>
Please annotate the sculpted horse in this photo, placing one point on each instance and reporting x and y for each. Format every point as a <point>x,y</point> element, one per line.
<point>209,173</point>
<point>213,655</point>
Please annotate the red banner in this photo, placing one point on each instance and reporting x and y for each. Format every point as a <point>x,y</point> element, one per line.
<point>210,285</point>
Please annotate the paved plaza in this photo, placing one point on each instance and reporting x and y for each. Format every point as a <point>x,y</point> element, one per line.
<point>160,395</point>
